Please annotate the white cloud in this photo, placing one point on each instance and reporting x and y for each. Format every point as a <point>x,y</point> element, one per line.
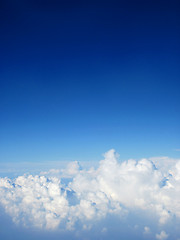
<point>147,230</point>
<point>65,197</point>
<point>162,236</point>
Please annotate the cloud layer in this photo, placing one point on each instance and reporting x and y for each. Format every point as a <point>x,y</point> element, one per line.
<point>71,197</point>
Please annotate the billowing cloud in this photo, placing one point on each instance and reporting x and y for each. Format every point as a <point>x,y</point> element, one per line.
<point>65,198</point>
<point>162,236</point>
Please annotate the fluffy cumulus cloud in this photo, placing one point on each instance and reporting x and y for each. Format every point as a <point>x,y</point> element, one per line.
<point>162,236</point>
<point>71,197</point>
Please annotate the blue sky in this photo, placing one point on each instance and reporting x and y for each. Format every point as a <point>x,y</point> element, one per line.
<point>78,78</point>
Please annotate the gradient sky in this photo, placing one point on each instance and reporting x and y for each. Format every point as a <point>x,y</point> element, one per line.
<point>80,77</point>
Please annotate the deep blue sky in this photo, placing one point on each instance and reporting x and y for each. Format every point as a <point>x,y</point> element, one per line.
<point>80,77</point>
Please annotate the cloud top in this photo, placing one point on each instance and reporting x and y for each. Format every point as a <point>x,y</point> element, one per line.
<point>67,197</point>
